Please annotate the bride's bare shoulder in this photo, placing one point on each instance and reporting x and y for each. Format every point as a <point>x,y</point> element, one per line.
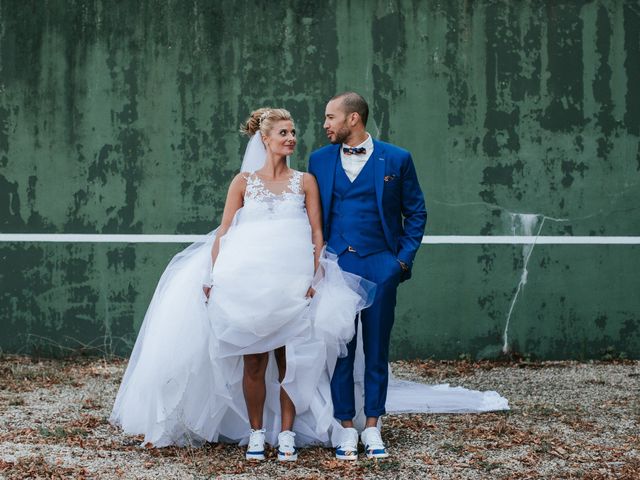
<point>241,178</point>
<point>239,182</point>
<point>309,184</point>
<point>308,178</point>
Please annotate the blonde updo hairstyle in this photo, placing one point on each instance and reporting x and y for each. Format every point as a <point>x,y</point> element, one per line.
<point>263,120</point>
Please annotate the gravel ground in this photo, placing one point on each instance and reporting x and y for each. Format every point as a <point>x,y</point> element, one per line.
<point>567,420</point>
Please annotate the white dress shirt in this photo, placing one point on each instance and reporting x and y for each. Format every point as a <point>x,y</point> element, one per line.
<point>353,163</point>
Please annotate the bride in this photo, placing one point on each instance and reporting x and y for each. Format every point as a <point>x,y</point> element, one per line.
<point>255,353</point>
<point>244,328</point>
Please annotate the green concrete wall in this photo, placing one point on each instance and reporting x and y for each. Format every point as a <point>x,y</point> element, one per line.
<point>122,116</point>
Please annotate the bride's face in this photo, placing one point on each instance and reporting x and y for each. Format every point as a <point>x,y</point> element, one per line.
<point>282,138</point>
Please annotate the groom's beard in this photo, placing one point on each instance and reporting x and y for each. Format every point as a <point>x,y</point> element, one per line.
<point>341,136</point>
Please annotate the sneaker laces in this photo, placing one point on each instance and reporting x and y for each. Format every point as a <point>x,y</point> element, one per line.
<point>374,440</point>
<point>286,441</point>
<point>349,441</point>
<point>256,440</point>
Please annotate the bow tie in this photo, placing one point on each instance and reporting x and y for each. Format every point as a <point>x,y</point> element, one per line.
<point>354,150</point>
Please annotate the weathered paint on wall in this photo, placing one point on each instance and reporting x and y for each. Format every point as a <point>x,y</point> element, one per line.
<point>121,117</point>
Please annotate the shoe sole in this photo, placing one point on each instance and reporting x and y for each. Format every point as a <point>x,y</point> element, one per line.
<point>288,458</point>
<point>350,458</point>
<point>378,455</point>
<point>254,457</point>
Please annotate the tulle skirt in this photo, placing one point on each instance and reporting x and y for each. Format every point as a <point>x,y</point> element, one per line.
<point>183,384</point>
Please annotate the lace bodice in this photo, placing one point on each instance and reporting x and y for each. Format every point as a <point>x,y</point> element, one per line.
<point>276,197</point>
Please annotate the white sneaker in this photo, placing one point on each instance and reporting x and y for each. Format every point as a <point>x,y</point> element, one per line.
<point>287,451</point>
<point>348,447</point>
<point>255,449</point>
<point>373,444</point>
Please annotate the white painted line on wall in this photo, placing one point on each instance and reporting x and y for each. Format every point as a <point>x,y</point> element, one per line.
<point>527,240</point>
<point>427,239</point>
<point>97,238</point>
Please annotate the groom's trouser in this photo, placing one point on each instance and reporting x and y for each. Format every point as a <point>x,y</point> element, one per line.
<point>377,320</point>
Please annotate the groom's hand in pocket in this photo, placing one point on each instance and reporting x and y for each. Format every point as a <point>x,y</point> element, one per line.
<point>404,270</point>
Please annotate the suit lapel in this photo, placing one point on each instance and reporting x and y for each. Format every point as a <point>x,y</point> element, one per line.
<point>378,157</point>
<point>326,192</point>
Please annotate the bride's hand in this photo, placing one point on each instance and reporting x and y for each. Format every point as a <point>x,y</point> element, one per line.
<point>310,293</point>
<point>207,290</point>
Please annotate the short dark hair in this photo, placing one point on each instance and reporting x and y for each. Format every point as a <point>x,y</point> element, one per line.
<point>354,102</point>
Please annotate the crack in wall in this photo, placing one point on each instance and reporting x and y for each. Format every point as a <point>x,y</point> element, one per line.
<point>522,224</point>
<point>527,222</point>
<point>493,206</point>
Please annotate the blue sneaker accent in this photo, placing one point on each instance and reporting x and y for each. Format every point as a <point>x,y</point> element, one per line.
<point>379,451</point>
<point>295,452</point>
<point>373,445</point>
<point>347,448</point>
<point>346,454</point>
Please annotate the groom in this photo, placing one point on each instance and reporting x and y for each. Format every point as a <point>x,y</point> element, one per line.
<point>374,218</point>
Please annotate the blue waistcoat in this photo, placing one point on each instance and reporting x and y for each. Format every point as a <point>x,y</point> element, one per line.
<point>355,218</point>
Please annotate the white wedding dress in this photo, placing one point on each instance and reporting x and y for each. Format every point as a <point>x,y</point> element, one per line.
<point>183,383</point>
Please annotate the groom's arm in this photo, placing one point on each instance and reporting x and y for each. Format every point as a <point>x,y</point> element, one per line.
<point>414,212</point>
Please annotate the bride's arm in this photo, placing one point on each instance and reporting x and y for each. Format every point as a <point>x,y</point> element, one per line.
<point>234,202</point>
<point>314,211</point>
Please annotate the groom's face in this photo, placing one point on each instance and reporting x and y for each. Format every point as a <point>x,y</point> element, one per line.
<point>336,122</point>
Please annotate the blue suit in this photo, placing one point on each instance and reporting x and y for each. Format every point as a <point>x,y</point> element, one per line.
<point>371,223</point>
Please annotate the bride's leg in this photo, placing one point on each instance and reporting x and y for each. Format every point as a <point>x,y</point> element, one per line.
<point>287,407</point>
<point>253,386</point>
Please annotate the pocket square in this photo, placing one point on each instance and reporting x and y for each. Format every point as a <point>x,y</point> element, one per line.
<point>388,178</point>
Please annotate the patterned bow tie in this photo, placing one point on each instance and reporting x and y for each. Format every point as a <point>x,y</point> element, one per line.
<point>354,150</point>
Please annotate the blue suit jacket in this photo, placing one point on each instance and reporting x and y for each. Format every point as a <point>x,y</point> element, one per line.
<point>400,200</point>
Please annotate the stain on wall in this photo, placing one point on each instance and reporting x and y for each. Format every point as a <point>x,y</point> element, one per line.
<point>122,117</point>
